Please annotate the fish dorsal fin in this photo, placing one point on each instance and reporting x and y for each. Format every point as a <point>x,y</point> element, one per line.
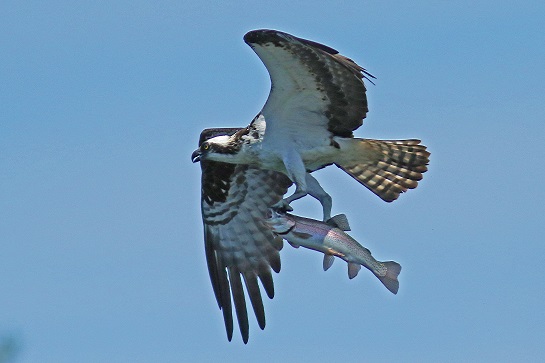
<point>353,269</point>
<point>328,261</point>
<point>340,221</point>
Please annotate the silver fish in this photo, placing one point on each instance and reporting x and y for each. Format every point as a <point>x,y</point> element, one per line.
<point>329,237</point>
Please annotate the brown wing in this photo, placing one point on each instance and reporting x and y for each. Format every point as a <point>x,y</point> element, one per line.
<point>235,200</point>
<point>311,84</point>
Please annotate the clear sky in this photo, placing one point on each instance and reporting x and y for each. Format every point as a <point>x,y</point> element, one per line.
<point>101,251</point>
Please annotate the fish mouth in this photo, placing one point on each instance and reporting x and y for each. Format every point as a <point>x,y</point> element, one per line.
<point>280,228</point>
<point>277,222</point>
<point>196,156</point>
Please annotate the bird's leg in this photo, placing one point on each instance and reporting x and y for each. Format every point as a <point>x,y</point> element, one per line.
<point>304,184</point>
<point>296,171</point>
<point>315,189</point>
<point>282,206</point>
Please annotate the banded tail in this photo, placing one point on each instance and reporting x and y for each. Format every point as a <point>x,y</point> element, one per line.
<point>387,167</point>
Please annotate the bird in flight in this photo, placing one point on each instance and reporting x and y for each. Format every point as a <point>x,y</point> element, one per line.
<point>317,99</point>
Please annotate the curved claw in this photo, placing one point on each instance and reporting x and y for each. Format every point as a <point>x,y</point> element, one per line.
<point>282,206</point>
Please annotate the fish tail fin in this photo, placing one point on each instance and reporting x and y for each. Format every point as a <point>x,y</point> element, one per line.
<point>390,278</point>
<point>387,167</point>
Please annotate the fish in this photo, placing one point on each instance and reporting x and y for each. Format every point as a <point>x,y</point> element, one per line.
<point>330,238</point>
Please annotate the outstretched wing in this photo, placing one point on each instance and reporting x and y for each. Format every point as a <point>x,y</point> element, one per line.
<point>235,200</point>
<point>311,85</point>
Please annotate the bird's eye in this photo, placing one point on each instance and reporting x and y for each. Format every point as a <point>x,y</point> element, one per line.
<point>206,146</point>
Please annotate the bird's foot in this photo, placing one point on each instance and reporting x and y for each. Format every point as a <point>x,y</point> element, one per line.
<point>282,206</point>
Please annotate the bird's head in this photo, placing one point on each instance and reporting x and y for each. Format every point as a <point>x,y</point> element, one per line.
<point>219,148</point>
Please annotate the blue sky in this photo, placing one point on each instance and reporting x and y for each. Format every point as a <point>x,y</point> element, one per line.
<point>102,259</point>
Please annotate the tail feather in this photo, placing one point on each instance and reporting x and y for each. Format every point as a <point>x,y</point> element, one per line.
<point>390,278</point>
<point>387,167</point>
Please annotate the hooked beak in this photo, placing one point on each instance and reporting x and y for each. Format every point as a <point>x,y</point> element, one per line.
<point>196,156</point>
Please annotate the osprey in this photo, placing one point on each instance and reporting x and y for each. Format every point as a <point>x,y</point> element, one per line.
<point>317,100</point>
